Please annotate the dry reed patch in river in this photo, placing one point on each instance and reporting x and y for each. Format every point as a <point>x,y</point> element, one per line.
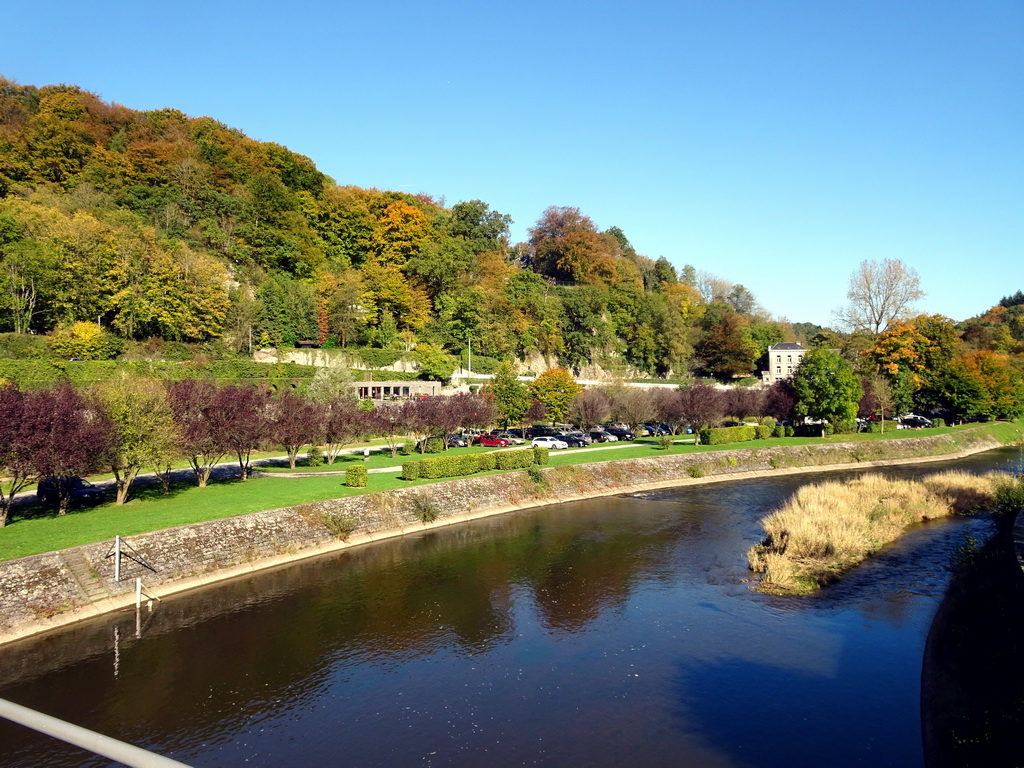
<point>828,528</point>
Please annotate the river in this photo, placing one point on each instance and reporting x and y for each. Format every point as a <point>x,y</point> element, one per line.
<point>619,631</point>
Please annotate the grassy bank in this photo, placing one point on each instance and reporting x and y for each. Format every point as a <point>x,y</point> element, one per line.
<point>828,528</point>
<point>33,529</point>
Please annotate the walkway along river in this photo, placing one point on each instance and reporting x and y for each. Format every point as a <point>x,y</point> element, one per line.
<point>609,632</point>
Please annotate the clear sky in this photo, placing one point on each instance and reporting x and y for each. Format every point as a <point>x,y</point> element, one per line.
<point>773,143</point>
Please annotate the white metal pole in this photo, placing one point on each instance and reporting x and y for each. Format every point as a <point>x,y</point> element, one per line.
<point>117,559</point>
<point>97,743</point>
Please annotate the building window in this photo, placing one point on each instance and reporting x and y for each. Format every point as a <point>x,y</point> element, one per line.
<point>778,371</point>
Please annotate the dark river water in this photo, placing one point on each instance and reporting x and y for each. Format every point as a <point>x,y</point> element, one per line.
<point>613,632</point>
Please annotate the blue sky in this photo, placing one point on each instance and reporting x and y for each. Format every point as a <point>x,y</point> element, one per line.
<point>775,144</point>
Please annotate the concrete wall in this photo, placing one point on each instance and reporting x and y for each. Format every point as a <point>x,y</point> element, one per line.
<point>56,588</point>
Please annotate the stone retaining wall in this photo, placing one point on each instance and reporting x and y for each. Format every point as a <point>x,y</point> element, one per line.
<point>57,588</point>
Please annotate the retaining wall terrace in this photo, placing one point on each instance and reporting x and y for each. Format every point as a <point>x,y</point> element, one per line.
<point>57,588</point>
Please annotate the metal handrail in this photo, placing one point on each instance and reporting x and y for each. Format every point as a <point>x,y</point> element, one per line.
<point>128,754</point>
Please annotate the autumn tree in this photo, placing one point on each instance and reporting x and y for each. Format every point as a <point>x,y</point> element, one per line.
<point>143,427</point>
<point>566,245</point>
<point>727,349</point>
<point>880,294</point>
<point>555,389</point>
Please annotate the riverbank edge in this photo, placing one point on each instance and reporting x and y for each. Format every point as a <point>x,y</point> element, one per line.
<point>47,592</point>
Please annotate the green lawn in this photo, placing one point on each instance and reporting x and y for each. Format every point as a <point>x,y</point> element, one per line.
<point>33,530</point>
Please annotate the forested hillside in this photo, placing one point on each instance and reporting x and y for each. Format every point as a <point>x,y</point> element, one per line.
<point>159,225</point>
<point>120,228</point>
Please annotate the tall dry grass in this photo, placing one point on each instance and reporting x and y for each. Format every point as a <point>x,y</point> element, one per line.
<point>828,528</point>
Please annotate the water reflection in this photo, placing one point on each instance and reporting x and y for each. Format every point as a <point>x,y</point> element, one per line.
<point>610,632</point>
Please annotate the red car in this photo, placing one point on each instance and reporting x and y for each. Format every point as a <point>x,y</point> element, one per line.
<point>491,441</point>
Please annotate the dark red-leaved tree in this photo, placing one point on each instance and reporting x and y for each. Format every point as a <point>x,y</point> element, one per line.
<point>534,414</point>
<point>590,408</point>
<point>390,421</point>
<point>242,416</point>
<point>344,423</point>
<point>193,403</point>
<point>294,422</point>
<point>699,406</point>
<point>15,448</point>
<point>70,438</point>
<point>668,404</point>
<point>780,400</point>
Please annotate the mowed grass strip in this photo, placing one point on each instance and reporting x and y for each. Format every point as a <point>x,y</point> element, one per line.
<point>828,528</point>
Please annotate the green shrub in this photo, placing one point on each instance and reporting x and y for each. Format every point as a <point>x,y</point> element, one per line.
<point>487,461</point>
<point>938,422</point>
<point>767,421</point>
<point>762,431</point>
<point>790,431</point>
<point>86,341</point>
<point>314,456</point>
<point>881,426</point>
<point>516,459</point>
<point>828,429</point>
<point>540,456</point>
<point>23,346</point>
<point>355,477</point>
<point>434,445</point>
<point>778,431</point>
<point>377,358</point>
<point>425,509</point>
<point>341,526</point>
<point>695,470</point>
<point>410,470</point>
<point>845,427</point>
<point>1010,496</point>
<point>665,442</point>
<point>722,435</point>
<point>535,474</point>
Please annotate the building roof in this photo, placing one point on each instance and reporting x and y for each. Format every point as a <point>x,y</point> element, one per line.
<point>788,345</point>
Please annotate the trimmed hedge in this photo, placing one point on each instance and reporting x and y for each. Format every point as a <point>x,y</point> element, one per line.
<point>722,435</point>
<point>27,372</point>
<point>516,459</point>
<point>763,432</point>
<point>540,455</point>
<point>355,477</point>
<point>460,466</point>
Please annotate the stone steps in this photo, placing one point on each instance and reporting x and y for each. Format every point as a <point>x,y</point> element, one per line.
<point>88,580</point>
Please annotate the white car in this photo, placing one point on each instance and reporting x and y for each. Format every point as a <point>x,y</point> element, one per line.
<point>549,442</point>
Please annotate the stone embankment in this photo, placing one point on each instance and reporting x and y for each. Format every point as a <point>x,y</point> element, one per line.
<point>46,591</point>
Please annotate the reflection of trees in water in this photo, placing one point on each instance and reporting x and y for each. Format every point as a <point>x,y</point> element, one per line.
<point>972,692</point>
<point>277,639</point>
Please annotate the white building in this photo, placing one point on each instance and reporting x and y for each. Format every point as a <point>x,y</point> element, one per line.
<point>783,360</point>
